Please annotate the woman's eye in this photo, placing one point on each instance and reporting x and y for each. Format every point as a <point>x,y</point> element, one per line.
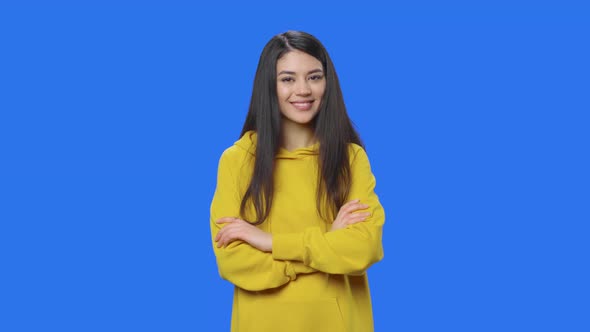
<point>286,79</point>
<point>316,77</point>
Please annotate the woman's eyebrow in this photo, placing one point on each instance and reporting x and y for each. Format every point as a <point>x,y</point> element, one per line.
<point>293,73</point>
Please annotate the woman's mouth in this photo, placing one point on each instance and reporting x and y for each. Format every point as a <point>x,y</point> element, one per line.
<point>302,105</point>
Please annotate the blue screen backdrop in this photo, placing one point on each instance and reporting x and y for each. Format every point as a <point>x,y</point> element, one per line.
<point>113,117</point>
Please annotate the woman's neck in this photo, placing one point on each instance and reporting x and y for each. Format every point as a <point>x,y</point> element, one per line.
<point>295,136</point>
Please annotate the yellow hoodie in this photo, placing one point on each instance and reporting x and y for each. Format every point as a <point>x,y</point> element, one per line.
<point>313,280</point>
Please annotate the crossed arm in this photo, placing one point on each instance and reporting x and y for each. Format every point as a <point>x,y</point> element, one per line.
<point>254,259</point>
<point>239,229</point>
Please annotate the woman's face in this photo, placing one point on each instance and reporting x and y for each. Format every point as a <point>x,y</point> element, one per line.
<point>300,86</point>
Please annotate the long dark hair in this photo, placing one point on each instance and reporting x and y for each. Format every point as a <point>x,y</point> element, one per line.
<point>332,126</point>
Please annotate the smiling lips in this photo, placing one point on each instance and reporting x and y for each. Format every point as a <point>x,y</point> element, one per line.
<point>302,105</point>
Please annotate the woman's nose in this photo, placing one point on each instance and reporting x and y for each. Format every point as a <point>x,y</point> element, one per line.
<point>303,88</point>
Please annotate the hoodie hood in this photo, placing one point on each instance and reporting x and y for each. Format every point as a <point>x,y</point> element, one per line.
<point>248,143</point>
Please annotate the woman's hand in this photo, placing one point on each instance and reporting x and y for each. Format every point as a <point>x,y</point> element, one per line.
<point>346,216</point>
<point>238,229</point>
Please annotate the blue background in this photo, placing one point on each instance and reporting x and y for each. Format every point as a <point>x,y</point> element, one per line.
<point>113,117</point>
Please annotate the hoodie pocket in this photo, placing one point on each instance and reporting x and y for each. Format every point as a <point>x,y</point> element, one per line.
<point>291,315</point>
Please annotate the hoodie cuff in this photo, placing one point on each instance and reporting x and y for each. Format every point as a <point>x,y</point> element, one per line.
<point>290,271</point>
<point>288,247</point>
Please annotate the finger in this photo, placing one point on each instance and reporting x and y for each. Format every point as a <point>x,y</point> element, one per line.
<point>364,215</point>
<point>346,206</point>
<point>223,231</point>
<point>363,206</point>
<point>230,236</point>
<point>352,201</point>
<point>354,207</point>
<point>222,240</point>
<point>349,204</point>
<point>357,217</point>
<point>222,220</point>
<point>222,234</point>
<point>354,221</point>
<point>219,237</point>
<point>225,220</point>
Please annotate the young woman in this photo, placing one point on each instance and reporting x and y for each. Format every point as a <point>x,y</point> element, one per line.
<point>295,221</point>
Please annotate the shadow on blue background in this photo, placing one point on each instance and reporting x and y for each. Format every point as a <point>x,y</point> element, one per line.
<point>113,117</point>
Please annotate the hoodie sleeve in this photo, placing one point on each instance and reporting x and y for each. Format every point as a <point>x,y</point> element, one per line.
<point>350,250</point>
<point>239,262</point>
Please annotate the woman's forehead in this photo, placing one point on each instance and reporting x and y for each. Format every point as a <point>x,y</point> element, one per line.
<point>297,61</point>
